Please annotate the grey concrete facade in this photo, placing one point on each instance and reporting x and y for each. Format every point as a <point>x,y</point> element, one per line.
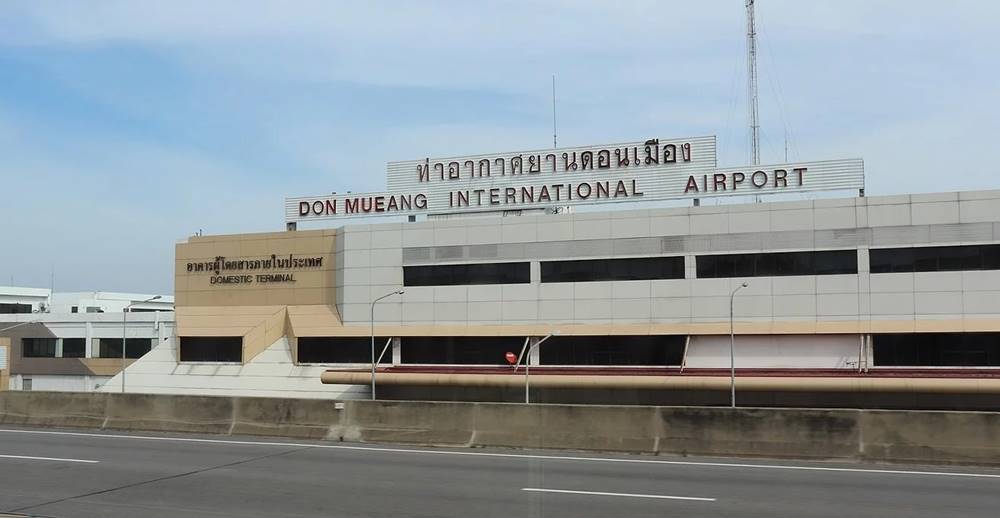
<point>370,260</point>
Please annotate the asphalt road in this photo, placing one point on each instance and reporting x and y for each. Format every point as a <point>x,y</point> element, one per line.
<point>95,474</point>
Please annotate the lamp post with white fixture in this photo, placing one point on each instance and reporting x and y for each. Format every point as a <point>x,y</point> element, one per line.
<point>526,354</point>
<point>397,292</point>
<point>124,339</point>
<point>732,347</point>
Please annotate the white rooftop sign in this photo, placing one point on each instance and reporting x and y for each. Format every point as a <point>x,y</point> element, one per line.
<point>651,170</point>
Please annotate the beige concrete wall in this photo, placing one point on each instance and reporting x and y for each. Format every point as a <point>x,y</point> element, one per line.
<point>314,285</point>
<point>256,311</point>
<point>856,435</point>
<point>264,334</point>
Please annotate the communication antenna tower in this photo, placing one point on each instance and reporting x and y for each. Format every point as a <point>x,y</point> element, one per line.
<point>752,85</point>
<point>752,88</point>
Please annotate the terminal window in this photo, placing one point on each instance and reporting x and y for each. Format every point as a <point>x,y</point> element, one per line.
<point>937,350</point>
<point>342,349</point>
<point>934,258</point>
<point>8,308</point>
<point>227,349</point>
<point>74,347</point>
<point>631,269</point>
<point>778,264</point>
<point>134,347</point>
<point>636,350</point>
<point>464,274</point>
<point>38,347</point>
<point>459,350</point>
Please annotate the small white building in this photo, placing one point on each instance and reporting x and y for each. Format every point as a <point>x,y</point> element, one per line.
<point>23,300</point>
<point>73,341</point>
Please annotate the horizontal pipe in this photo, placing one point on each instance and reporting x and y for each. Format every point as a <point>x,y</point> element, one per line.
<point>748,383</point>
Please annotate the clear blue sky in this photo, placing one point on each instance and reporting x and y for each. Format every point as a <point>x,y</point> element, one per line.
<point>126,126</point>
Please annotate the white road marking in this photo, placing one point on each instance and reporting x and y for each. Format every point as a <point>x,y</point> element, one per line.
<point>513,455</point>
<point>53,459</point>
<point>602,493</point>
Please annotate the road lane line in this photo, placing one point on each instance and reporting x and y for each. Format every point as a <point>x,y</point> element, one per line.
<point>630,495</point>
<point>514,455</point>
<point>53,459</point>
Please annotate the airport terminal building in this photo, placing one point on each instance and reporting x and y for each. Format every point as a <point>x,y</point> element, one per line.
<point>491,260</point>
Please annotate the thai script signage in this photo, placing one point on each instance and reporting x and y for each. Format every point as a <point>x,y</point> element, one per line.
<point>650,170</point>
<point>272,269</point>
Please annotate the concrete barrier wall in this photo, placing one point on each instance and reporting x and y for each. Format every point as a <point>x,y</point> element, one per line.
<point>859,435</point>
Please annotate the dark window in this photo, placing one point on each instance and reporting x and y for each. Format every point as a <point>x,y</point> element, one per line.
<point>346,349</point>
<point>633,269</point>
<point>934,258</point>
<point>74,309</point>
<point>38,347</point>
<point>8,308</point>
<point>459,350</point>
<point>937,350</point>
<point>458,274</point>
<point>135,347</point>
<point>94,309</point>
<point>211,349</point>
<point>778,264</point>
<point>649,350</point>
<point>74,347</point>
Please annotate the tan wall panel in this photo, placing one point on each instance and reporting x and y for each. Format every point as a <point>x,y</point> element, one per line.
<point>227,310</point>
<point>222,320</point>
<point>247,321</point>
<point>310,296</point>
<point>293,340</point>
<point>263,335</point>
<point>304,310</point>
<point>261,247</point>
<point>311,286</point>
<point>937,326</point>
<point>214,331</point>
<point>981,325</point>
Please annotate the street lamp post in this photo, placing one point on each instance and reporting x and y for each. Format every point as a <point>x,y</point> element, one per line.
<point>732,348</point>
<point>526,353</point>
<point>397,292</point>
<point>124,339</point>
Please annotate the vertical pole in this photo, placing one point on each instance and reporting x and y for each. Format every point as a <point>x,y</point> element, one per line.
<point>124,316</point>
<point>732,354</point>
<point>373,347</point>
<point>527,363</point>
<point>732,347</point>
<point>554,111</point>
